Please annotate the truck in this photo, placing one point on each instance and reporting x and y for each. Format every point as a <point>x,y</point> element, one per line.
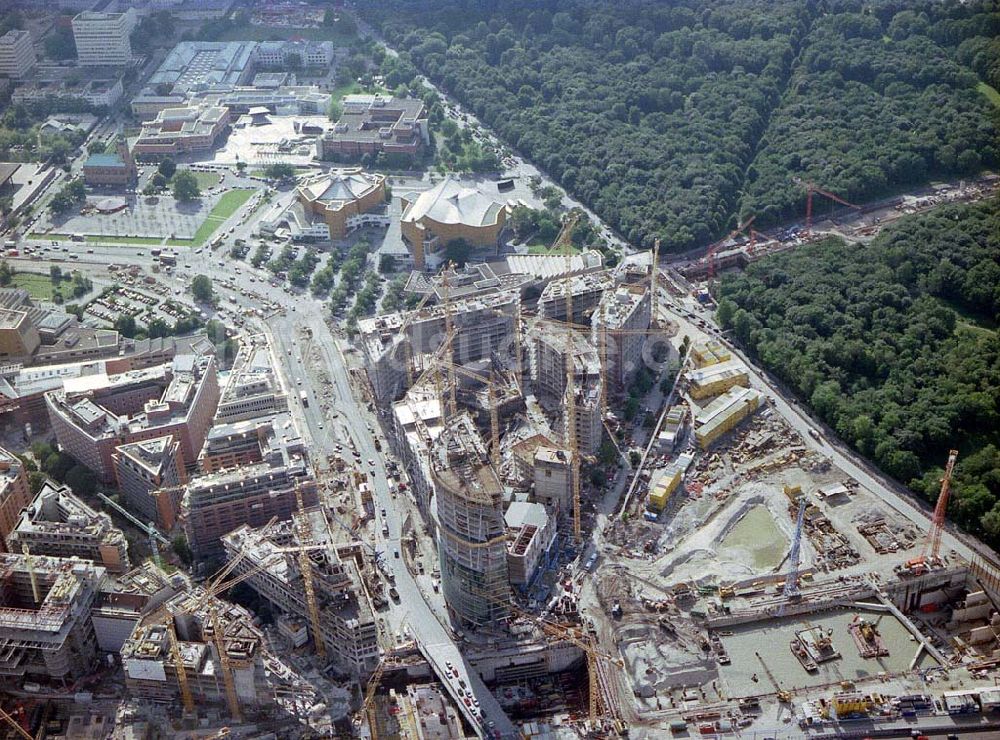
<point>168,258</point>
<point>304,398</point>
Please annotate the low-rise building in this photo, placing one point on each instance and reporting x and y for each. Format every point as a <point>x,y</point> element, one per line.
<point>373,124</point>
<point>178,131</point>
<point>724,413</point>
<point>147,472</point>
<point>295,54</point>
<point>531,534</point>
<point>716,378</point>
<point>102,93</point>
<point>709,353</point>
<point>59,524</point>
<point>15,493</point>
<point>669,480</point>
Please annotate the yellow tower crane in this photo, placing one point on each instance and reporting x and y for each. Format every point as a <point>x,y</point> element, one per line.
<point>449,340</point>
<point>15,725</point>
<point>304,532</point>
<point>232,698</point>
<point>368,705</point>
<point>654,270</point>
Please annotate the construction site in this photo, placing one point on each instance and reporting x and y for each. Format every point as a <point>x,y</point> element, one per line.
<point>689,530</point>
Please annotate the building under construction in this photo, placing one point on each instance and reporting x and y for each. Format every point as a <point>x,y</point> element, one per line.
<point>59,524</point>
<point>389,343</point>
<point>151,671</point>
<point>472,540</point>
<point>619,328</point>
<point>46,633</point>
<point>346,619</point>
<point>549,343</point>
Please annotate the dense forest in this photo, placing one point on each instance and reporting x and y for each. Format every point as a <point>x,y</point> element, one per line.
<point>877,102</point>
<point>894,344</point>
<point>667,118</point>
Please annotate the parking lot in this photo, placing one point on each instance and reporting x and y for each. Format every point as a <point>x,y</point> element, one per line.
<point>154,216</point>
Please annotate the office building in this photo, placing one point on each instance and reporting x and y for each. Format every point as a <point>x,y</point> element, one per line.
<point>295,54</point>
<point>587,291</point>
<point>147,472</point>
<point>254,389</point>
<point>102,39</point>
<point>417,421</point>
<point>46,634</point>
<point>94,414</point>
<point>15,493</point>
<point>17,54</point>
<point>552,476</point>
<point>59,524</point>
<point>482,326</point>
<point>215,504</point>
<point>619,326</point>
<point>472,538</point>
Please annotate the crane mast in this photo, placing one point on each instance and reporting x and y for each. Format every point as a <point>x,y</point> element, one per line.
<point>792,580</point>
<point>932,548</point>
<point>653,296</point>
<point>305,565</point>
<point>227,672</point>
<point>570,417</point>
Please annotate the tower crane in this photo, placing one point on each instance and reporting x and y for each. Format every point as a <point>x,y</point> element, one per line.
<point>710,254</point>
<point>368,705</point>
<point>791,590</point>
<point>304,532</point>
<point>931,552</point>
<point>401,333</point>
<point>15,725</point>
<point>812,188</point>
<point>449,339</point>
<point>654,269</point>
<point>565,240</point>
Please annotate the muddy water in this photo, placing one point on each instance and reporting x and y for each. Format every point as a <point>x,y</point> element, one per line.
<point>756,540</point>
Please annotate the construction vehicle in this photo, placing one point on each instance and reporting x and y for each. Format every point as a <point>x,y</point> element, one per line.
<point>930,555</point>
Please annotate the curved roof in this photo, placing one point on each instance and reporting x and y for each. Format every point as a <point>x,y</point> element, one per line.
<point>450,202</point>
<point>339,185</point>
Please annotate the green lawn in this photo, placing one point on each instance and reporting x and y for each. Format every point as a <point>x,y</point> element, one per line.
<point>226,207</point>
<point>39,286</point>
<point>990,92</point>
<point>205,180</point>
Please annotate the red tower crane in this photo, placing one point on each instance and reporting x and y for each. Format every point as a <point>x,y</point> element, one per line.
<point>931,552</point>
<point>810,189</point>
<point>710,254</point>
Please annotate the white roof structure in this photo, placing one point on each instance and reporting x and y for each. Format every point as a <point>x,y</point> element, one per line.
<point>551,266</point>
<point>344,185</point>
<point>451,202</point>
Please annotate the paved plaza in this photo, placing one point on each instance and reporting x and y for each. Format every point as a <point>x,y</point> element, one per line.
<point>148,216</point>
